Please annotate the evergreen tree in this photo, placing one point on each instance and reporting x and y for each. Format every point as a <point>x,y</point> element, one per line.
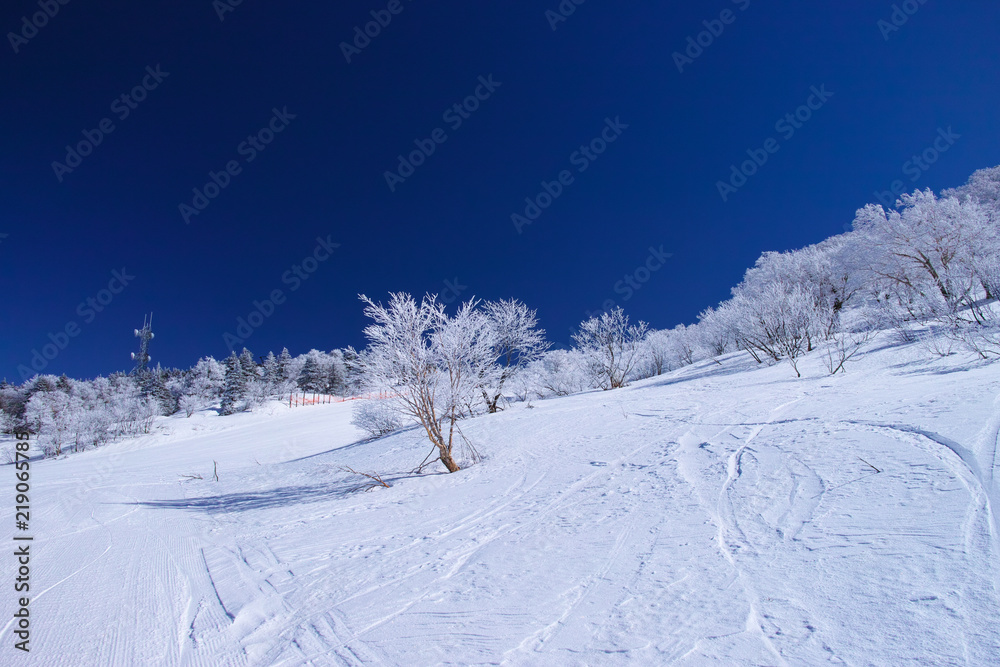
<point>152,383</point>
<point>249,366</point>
<point>354,378</point>
<point>235,388</point>
<point>41,383</point>
<point>336,374</point>
<point>312,376</point>
<point>285,365</point>
<point>272,374</point>
<point>13,400</point>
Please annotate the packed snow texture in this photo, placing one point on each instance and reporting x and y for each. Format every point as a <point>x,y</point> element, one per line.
<point>724,513</point>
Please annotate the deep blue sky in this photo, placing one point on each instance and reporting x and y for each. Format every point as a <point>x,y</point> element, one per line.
<point>324,174</point>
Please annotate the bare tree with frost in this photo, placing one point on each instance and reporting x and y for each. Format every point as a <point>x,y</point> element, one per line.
<point>429,363</point>
<point>612,346</point>
<point>517,343</point>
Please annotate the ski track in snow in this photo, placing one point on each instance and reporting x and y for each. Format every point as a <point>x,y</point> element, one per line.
<point>716,515</point>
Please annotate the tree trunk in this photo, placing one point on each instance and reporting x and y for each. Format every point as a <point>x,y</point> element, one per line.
<point>436,437</point>
<point>446,459</point>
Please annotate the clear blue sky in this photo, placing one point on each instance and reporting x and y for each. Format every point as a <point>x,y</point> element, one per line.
<point>323,175</point>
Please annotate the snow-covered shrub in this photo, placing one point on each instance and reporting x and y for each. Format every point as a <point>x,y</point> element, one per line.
<point>53,416</point>
<point>847,339</point>
<point>189,404</point>
<point>664,350</point>
<point>376,417</point>
<point>656,354</point>
<point>780,322</point>
<point>206,380</point>
<point>564,372</point>
<point>528,383</point>
<point>7,422</point>
<point>715,333</point>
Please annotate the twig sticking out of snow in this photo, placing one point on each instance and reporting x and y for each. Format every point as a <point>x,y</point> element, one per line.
<point>869,464</point>
<point>376,479</point>
<point>215,474</point>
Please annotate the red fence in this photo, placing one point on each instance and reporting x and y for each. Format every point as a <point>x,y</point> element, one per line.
<point>298,398</point>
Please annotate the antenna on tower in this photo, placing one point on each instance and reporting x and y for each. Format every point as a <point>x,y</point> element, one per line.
<point>145,334</point>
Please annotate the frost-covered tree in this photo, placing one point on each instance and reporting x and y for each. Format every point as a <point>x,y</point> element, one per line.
<point>774,321</point>
<point>336,374</point>
<point>657,356</point>
<point>354,371</point>
<point>517,342</point>
<point>249,365</point>
<point>285,365</point>
<point>426,361</point>
<point>563,372</point>
<point>131,412</point>
<point>312,376</point>
<point>466,348</point>
<point>666,350</point>
<point>235,388</point>
<point>715,332</point>
<point>820,272</point>
<point>271,372</point>
<point>204,385</point>
<point>323,373</point>
<point>51,415</point>
<point>153,383</point>
<point>916,254</point>
<point>189,404</point>
<point>685,344</point>
<point>611,345</point>
<point>937,259</point>
<point>257,390</point>
<point>79,414</point>
<point>13,400</point>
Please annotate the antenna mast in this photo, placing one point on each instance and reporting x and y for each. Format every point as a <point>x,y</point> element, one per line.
<point>145,334</point>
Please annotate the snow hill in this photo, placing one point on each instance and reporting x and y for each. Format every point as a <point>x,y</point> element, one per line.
<point>721,514</point>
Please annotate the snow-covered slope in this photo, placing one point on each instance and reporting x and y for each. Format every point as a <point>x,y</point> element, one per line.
<point>720,514</point>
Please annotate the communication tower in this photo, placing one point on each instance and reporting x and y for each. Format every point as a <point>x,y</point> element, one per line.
<point>145,334</point>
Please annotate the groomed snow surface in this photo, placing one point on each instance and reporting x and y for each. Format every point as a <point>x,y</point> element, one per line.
<point>721,514</point>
